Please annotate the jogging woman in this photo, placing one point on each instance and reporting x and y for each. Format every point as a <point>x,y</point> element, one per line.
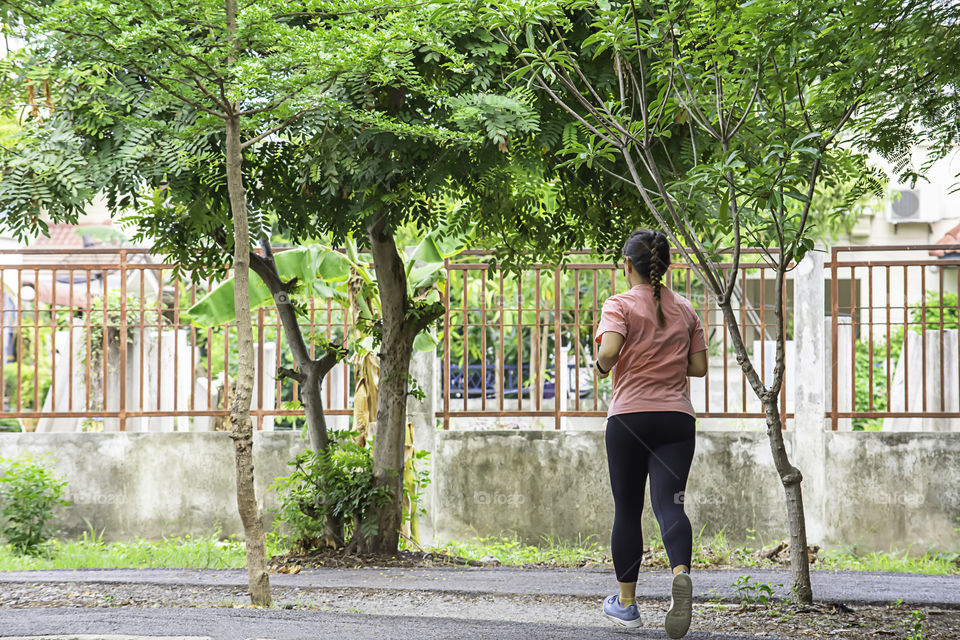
<point>652,340</point>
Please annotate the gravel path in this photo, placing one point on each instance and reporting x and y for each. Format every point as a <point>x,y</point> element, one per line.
<point>829,586</point>
<point>221,624</point>
<point>453,603</point>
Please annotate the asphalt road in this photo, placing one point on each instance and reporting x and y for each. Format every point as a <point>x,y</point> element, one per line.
<point>829,586</point>
<point>232,624</point>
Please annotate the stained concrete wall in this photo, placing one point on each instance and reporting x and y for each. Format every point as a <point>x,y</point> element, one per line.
<point>883,490</point>
<point>151,485</point>
<point>895,489</point>
<point>555,484</point>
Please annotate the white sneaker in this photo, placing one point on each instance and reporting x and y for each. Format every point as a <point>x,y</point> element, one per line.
<point>678,617</point>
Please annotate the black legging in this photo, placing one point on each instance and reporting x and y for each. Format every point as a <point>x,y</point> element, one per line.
<point>660,443</point>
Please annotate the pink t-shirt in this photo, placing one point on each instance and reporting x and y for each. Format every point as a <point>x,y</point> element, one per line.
<point>651,374</point>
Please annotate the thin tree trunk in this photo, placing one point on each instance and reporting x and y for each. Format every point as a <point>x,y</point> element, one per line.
<point>790,476</point>
<point>792,479</point>
<point>310,372</point>
<point>242,433</point>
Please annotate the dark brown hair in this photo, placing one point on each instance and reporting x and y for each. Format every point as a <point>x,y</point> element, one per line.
<point>649,252</point>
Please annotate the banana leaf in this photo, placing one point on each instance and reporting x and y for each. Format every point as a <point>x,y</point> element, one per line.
<point>316,267</point>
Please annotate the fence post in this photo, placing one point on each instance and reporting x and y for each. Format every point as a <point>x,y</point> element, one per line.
<point>809,437</point>
<point>423,415</point>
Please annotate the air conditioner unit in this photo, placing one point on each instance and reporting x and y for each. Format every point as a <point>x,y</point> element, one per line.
<point>907,205</point>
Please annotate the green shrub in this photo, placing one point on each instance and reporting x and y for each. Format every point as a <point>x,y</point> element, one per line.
<point>29,495</point>
<point>336,486</point>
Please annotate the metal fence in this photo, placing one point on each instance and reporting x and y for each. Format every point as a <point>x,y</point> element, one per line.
<point>893,338</point>
<point>98,339</point>
<point>521,345</point>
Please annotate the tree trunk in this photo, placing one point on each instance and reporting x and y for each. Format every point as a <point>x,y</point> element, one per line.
<point>790,476</point>
<point>242,433</point>
<point>396,349</point>
<point>311,372</point>
<point>792,479</point>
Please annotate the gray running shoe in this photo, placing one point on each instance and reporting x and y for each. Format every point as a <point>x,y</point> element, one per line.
<point>628,616</point>
<point>678,617</point>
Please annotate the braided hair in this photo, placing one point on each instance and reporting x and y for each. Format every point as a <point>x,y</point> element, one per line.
<point>649,252</point>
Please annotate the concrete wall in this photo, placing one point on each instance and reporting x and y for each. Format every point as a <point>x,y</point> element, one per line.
<point>554,484</point>
<point>151,485</point>
<point>883,490</point>
<point>896,489</point>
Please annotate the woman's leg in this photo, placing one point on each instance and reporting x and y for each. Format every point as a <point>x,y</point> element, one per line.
<point>669,467</point>
<point>627,461</point>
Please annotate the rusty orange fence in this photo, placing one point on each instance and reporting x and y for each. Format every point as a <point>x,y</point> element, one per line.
<point>521,345</point>
<point>99,339</point>
<point>96,339</point>
<point>893,338</point>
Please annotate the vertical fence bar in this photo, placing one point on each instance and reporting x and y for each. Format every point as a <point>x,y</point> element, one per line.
<point>466,338</point>
<point>887,372</point>
<point>923,338</point>
<point>3,332</point>
<point>557,352</point>
<point>70,318</point>
<point>88,312</point>
<point>123,343</point>
<point>483,339</point>
<point>520,341</point>
<point>53,342</point>
<point>447,358</point>
<point>576,336</point>
<point>502,364</point>
<point>593,344</point>
<point>870,338</point>
<point>20,339</point>
<point>36,341</point>
<point>105,344</point>
<point>143,338</point>
<point>906,344</point>
<point>743,323</point>
<point>942,394</point>
<point>159,339</point>
<point>834,337</point>
<point>535,346</point>
<point>260,344</point>
<point>853,339</point>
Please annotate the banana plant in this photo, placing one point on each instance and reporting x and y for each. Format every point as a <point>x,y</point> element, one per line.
<point>346,277</point>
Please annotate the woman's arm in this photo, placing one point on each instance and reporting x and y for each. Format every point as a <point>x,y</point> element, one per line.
<point>697,364</point>
<point>608,352</point>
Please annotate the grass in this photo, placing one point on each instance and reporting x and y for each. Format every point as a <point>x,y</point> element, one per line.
<point>512,551</point>
<point>211,552</point>
<point>890,561</point>
<point>715,551</point>
<point>91,552</point>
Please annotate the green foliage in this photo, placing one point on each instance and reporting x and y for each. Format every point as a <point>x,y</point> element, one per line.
<point>91,552</point>
<point>550,551</point>
<point>915,625</point>
<point>29,494</point>
<point>336,486</point>
<point>754,592</point>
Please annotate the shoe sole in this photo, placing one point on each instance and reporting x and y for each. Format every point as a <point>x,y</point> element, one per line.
<point>630,624</point>
<point>677,622</point>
